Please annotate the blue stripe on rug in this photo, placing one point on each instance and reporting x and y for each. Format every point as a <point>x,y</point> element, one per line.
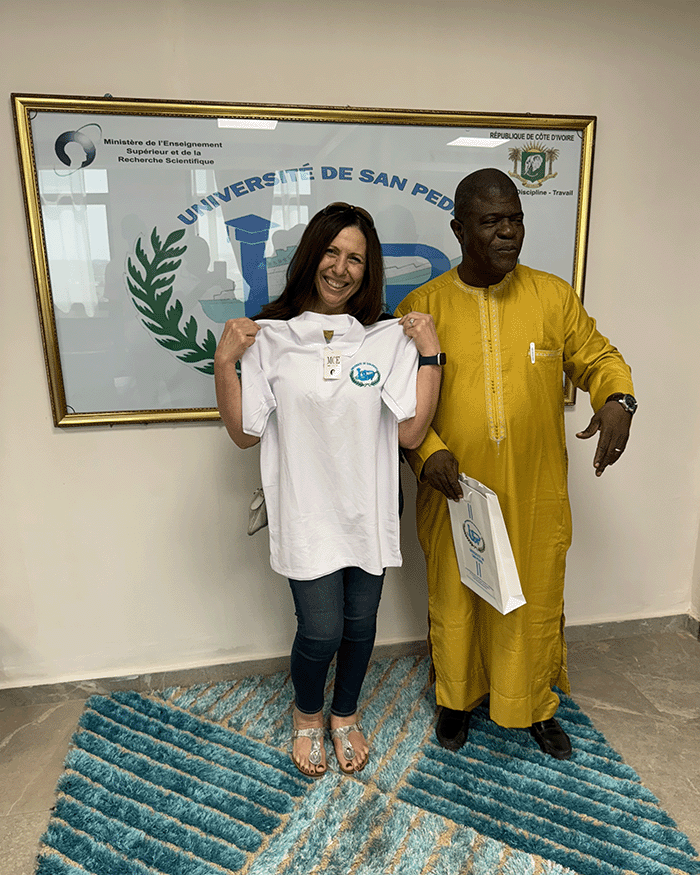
<point>403,713</point>
<point>489,810</point>
<point>590,813</point>
<point>143,840</point>
<point>149,783</point>
<point>422,842</point>
<point>188,811</point>
<point>368,816</point>
<point>311,809</point>
<point>172,781</point>
<point>252,780</point>
<point>579,862</point>
<point>172,768</point>
<point>199,781</point>
<point>55,865</point>
<point>325,829</point>
<point>96,853</point>
<point>558,788</point>
<point>255,706</point>
<point>81,796</point>
<point>384,843</point>
<point>81,853</point>
<point>290,779</point>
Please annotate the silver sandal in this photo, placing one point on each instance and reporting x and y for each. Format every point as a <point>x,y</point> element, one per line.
<point>315,733</point>
<point>342,733</point>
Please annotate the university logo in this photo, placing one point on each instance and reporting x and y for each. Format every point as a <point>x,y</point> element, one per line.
<point>473,535</point>
<point>532,162</point>
<point>155,281</point>
<point>364,374</point>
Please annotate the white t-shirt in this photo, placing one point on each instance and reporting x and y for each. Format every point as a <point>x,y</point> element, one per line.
<point>329,447</point>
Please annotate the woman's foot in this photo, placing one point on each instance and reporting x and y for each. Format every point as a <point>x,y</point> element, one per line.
<point>351,748</point>
<point>308,751</point>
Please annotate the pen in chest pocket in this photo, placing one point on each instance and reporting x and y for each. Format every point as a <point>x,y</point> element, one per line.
<point>532,353</point>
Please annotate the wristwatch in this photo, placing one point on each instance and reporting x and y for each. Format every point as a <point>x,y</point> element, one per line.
<point>439,359</point>
<point>629,402</point>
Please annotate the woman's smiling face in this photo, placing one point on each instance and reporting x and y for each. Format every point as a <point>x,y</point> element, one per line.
<point>340,272</point>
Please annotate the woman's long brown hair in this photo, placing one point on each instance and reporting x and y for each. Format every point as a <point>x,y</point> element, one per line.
<point>300,290</point>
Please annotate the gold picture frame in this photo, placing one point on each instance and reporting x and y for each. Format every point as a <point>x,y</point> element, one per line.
<point>150,222</point>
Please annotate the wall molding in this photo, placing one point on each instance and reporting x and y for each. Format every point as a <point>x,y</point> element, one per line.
<point>144,683</point>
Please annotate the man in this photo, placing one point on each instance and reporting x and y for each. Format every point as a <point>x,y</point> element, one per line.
<point>508,332</point>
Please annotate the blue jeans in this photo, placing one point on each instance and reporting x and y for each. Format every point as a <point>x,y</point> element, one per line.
<point>335,614</point>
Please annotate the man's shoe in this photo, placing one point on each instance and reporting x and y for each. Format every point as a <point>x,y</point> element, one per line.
<point>452,728</point>
<point>551,738</point>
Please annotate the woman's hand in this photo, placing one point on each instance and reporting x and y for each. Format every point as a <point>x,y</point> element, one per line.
<point>237,336</point>
<point>421,328</point>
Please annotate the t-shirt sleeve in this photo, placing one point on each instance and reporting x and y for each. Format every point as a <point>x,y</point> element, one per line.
<point>257,399</point>
<point>399,390</point>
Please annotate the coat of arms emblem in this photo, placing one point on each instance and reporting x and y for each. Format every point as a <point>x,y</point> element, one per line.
<point>532,162</point>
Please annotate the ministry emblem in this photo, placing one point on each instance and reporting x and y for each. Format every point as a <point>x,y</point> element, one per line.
<point>532,163</point>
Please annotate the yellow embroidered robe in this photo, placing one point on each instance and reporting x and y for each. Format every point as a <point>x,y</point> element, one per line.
<point>502,416</point>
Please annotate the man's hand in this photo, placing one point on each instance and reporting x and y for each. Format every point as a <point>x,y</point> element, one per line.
<point>441,471</point>
<point>613,422</point>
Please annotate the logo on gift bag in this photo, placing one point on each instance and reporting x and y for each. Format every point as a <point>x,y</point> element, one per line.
<point>364,374</point>
<point>473,535</point>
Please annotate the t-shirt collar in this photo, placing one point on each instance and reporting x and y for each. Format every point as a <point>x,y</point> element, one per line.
<point>348,333</point>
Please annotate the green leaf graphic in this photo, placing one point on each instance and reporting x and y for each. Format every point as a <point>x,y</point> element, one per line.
<point>150,282</point>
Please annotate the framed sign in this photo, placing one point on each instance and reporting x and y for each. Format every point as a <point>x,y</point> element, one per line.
<point>151,223</point>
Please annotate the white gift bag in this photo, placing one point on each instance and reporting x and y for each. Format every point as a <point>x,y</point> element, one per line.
<point>484,554</point>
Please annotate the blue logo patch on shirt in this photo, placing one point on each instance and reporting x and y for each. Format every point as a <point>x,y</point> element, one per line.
<point>364,374</point>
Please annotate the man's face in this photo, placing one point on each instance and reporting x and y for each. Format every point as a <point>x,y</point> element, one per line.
<point>491,236</point>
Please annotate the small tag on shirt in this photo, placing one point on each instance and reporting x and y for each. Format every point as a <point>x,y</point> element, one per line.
<point>331,364</point>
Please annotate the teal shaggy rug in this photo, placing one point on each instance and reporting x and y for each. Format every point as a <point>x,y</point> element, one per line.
<point>198,781</point>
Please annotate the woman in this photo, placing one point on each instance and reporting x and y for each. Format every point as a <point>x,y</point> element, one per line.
<point>331,391</point>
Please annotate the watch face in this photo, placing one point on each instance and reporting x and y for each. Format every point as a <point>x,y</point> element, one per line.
<point>629,402</point>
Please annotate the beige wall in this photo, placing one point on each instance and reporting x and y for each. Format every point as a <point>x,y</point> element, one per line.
<point>123,550</point>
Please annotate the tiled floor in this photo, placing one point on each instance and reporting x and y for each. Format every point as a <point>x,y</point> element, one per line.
<point>642,692</point>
